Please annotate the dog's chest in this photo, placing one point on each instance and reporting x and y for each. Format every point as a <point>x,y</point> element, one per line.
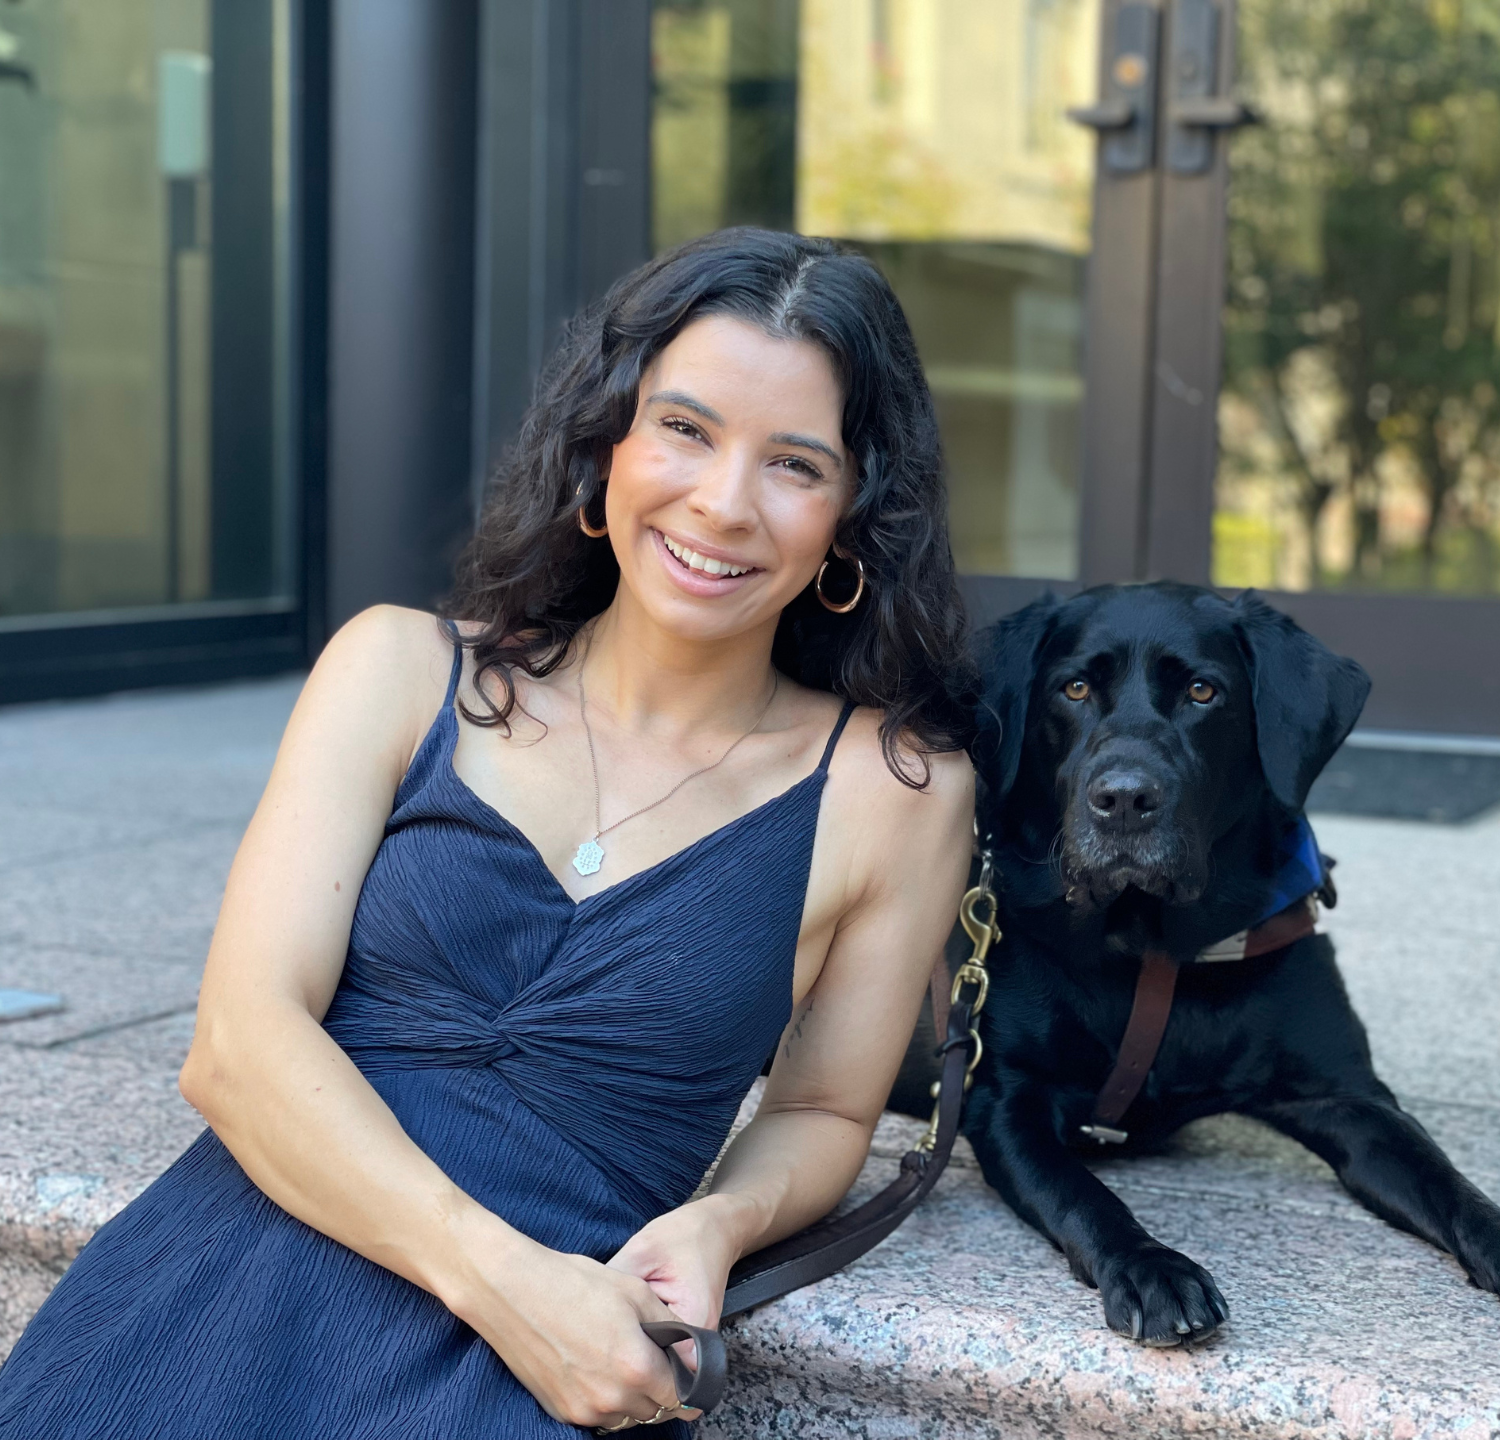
<point>1063,1027</point>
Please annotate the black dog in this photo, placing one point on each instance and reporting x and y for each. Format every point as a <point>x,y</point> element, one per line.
<point>1144,755</point>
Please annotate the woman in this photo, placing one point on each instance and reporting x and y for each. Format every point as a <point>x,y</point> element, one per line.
<point>530,898</point>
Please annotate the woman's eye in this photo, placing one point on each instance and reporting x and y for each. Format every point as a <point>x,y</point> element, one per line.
<point>683,427</point>
<point>1076,689</point>
<point>1200,692</point>
<point>802,467</point>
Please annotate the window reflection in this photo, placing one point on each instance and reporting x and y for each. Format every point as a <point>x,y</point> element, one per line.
<point>115,490</point>
<point>931,134</point>
<point>1360,416</point>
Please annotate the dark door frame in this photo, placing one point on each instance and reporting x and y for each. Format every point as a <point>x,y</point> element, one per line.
<point>564,186</point>
<point>404,127</point>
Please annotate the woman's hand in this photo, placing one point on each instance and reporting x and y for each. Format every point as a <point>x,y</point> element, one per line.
<point>684,1258</point>
<point>568,1328</point>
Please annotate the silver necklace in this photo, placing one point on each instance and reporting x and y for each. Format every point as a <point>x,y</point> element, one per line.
<point>590,855</point>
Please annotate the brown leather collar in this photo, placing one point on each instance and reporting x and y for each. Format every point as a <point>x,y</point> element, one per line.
<point>1152,1009</point>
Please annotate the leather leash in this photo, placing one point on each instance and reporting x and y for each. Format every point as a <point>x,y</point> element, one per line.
<point>825,1248</point>
<point>1152,1009</point>
<point>1149,1013</point>
<point>822,1249</point>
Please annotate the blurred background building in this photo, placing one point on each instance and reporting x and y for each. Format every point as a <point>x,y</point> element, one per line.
<point>276,277</point>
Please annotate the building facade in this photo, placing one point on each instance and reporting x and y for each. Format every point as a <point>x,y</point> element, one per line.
<point>1207,289</point>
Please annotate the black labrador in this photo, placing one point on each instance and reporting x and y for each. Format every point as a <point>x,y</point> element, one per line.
<point>1144,755</point>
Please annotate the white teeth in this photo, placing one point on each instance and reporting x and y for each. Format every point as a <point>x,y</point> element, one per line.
<point>706,563</point>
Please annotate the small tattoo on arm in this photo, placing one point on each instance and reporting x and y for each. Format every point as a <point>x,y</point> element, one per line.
<point>797,1028</point>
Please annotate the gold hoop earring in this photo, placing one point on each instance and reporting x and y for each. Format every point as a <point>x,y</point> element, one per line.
<point>859,589</point>
<point>583,520</point>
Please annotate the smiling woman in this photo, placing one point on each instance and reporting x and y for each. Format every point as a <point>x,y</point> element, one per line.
<point>829,419</point>
<point>533,893</point>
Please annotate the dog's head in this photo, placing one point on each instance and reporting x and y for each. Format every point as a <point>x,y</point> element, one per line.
<point>1125,731</point>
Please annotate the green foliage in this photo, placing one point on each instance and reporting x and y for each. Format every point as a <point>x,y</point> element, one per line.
<point>1365,229</point>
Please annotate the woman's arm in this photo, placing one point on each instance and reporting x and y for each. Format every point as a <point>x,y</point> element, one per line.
<point>839,1056</point>
<point>296,1112</point>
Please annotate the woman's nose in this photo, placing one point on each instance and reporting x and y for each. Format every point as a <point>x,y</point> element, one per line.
<point>725,493</point>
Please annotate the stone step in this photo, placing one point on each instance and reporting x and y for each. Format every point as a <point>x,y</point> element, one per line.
<point>117,822</point>
<point>966,1323</point>
<point>87,1126</point>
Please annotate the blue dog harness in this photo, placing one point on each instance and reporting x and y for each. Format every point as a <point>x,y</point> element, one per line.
<point>1292,910</point>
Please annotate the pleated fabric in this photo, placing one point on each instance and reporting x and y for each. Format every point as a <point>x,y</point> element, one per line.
<point>574,1067</point>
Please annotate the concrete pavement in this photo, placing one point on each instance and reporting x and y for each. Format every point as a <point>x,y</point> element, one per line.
<point>118,822</point>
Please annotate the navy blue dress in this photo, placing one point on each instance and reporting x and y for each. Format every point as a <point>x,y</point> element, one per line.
<point>573,1067</point>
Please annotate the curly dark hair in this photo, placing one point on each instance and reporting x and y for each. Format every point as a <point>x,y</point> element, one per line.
<point>532,579</point>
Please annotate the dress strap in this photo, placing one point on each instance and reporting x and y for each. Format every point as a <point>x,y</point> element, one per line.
<point>838,730</point>
<point>458,664</point>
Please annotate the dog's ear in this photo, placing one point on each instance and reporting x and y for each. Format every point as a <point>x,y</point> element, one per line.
<point>1006,654</point>
<point>1306,697</point>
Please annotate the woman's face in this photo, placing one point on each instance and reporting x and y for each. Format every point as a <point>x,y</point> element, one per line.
<point>723,499</point>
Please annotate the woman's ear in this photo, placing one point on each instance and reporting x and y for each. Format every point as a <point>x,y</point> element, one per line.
<point>1006,654</point>
<point>1306,698</point>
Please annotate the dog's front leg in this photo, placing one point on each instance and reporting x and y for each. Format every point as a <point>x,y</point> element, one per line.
<point>1150,1293</point>
<point>1392,1166</point>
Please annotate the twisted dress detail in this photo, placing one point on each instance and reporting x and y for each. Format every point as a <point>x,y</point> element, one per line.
<point>574,1067</point>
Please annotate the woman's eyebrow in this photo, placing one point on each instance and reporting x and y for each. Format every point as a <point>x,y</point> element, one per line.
<point>806,442</point>
<point>781,437</point>
<point>676,397</point>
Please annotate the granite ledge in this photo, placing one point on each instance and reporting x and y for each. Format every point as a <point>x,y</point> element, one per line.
<point>968,1324</point>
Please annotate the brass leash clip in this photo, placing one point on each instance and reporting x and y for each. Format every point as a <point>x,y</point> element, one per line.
<point>977,912</point>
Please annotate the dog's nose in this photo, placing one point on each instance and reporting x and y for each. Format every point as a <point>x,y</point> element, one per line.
<point>1124,798</point>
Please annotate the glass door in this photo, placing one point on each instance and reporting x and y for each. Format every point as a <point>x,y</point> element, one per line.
<point>147,503</point>
<point>1164,341</point>
<point>931,134</point>
<point>1359,416</point>
<point>142,454</point>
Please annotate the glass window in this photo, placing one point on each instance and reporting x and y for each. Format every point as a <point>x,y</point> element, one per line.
<point>1360,414</point>
<point>142,406</point>
<point>931,134</point>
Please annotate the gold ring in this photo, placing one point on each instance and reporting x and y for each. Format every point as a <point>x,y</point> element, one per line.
<point>629,1422</point>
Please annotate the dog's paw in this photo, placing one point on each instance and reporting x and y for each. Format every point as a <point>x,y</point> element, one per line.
<point>1160,1297</point>
<point>1478,1248</point>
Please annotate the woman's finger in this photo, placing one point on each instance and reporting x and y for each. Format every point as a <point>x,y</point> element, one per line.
<point>670,1410</point>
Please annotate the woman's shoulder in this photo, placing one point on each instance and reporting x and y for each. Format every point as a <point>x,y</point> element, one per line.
<point>888,838</point>
<point>404,643</point>
<point>937,791</point>
<point>402,657</point>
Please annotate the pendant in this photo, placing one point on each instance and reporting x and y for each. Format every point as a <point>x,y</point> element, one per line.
<point>588,857</point>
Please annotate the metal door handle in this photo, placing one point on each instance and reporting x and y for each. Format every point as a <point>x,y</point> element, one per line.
<point>1194,113</point>
<point>1214,112</point>
<point>1108,115</point>
<point>1125,115</point>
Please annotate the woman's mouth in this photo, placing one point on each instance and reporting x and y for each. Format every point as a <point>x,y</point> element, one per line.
<point>701,574</point>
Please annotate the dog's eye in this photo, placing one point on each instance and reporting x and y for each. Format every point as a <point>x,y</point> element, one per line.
<point>1200,692</point>
<point>1076,689</point>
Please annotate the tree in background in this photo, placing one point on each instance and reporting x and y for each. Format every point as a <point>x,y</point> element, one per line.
<point>1363,312</point>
